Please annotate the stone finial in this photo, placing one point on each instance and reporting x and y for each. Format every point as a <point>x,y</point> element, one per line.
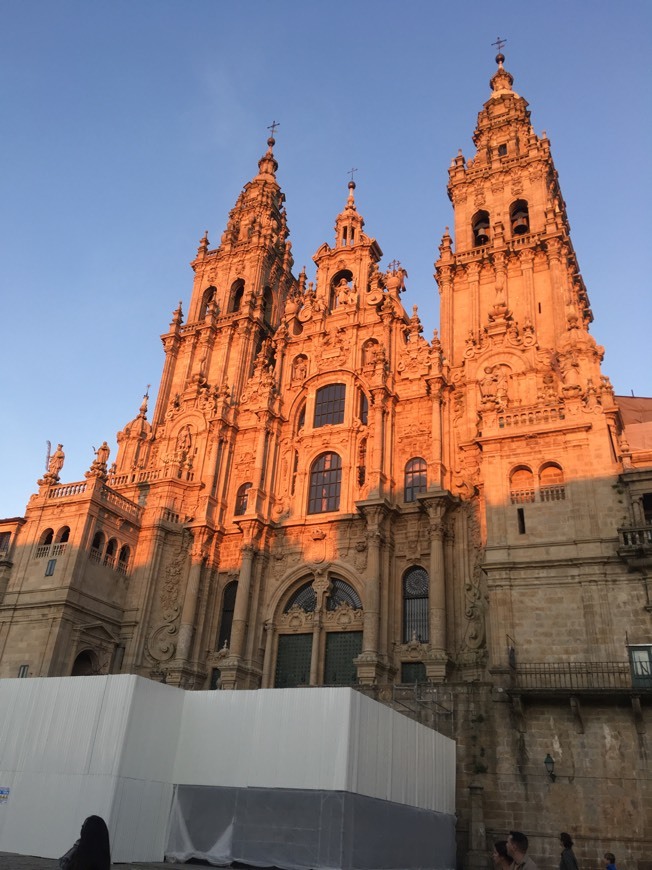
<point>501,80</point>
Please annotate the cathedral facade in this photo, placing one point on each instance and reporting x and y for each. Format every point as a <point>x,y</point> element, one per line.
<point>459,527</point>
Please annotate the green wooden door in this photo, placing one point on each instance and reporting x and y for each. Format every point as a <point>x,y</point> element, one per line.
<point>341,648</point>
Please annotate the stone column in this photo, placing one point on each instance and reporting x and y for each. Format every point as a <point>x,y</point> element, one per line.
<point>270,634</point>
<point>238,628</point>
<point>377,450</point>
<point>436,665</point>
<point>189,611</point>
<point>372,586</point>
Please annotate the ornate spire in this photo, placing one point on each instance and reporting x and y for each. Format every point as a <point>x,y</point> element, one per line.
<point>501,82</point>
<point>349,224</point>
<point>267,164</point>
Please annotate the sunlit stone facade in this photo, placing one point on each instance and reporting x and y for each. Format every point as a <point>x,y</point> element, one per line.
<point>460,526</point>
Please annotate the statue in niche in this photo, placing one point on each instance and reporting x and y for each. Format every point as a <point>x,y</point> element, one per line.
<point>300,369</point>
<point>184,440</point>
<point>369,353</point>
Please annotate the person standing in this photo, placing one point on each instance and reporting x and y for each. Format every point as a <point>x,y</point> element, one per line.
<point>517,845</point>
<point>568,861</point>
<point>610,861</point>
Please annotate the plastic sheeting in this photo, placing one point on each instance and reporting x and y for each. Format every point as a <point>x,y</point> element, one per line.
<point>298,830</point>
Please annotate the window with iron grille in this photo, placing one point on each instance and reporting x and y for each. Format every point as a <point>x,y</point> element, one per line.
<point>415,605</point>
<point>325,484</point>
<point>342,593</point>
<point>305,598</point>
<point>293,661</point>
<point>241,499</point>
<point>416,478</point>
<point>329,405</point>
<point>342,647</point>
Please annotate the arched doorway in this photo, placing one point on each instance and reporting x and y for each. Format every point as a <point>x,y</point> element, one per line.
<point>85,665</point>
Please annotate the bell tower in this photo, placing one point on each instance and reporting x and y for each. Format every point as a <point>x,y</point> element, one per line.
<point>532,423</point>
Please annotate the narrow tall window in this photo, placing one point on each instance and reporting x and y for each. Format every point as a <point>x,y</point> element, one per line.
<point>228,609</point>
<point>415,605</point>
<point>364,408</point>
<point>325,484</point>
<point>520,519</point>
<point>416,478</point>
<point>329,405</point>
<point>242,499</point>
<point>49,570</point>
<point>237,292</point>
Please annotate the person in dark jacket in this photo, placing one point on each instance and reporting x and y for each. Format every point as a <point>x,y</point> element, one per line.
<point>568,861</point>
<point>92,850</point>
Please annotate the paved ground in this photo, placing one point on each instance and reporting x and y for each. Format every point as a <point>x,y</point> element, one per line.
<point>24,862</point>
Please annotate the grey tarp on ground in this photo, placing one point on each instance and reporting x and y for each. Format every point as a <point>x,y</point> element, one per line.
<point>306,830</point>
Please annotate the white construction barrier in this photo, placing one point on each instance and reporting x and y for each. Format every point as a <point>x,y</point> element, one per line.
<point>292,778</point>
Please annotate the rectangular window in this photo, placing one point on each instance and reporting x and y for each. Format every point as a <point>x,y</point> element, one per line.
<point>215,678</point>
<point>23,671</point>
<point>640,659</point>
<point>520,514</point>
<point>329,405</point>
<point>49,571</point>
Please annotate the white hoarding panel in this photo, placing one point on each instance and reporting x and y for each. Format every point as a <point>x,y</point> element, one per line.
<point>273,738</point>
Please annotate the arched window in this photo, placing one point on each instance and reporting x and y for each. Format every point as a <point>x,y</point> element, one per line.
<point>237,292</point>
<point>97,546</point>
<point>123,559</point>
<point>62,535</point>
<point>305,598</point>
<point>325,484</point>
<point>519,218</point>
<point>521,485</point>
<point>207,299</point>
<point>228,609</point>
<point>416,478</point>
<point>241,499</point>
<point>551,483</point>
<point>502,150</point>
<point>329,405</point>
<point>342,593</point>
<point>415,605</point>
<point>480,225</point>
<point>109,554</point>
<point>46,537</point>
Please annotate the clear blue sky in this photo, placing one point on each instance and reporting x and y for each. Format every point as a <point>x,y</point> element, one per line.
<point>130,126</point>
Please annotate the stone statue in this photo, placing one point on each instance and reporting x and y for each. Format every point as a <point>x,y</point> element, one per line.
<point>56,462</point>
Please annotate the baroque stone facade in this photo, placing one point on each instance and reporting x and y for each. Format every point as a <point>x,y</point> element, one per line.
<point>460,527</point>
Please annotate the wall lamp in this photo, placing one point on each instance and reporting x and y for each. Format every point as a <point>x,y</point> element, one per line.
<point>549,764</point>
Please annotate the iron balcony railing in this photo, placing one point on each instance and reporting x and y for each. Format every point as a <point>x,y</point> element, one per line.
<point>572,676</point>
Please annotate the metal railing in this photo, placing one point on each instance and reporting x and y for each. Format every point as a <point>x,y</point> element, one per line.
<point>572,676</point>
